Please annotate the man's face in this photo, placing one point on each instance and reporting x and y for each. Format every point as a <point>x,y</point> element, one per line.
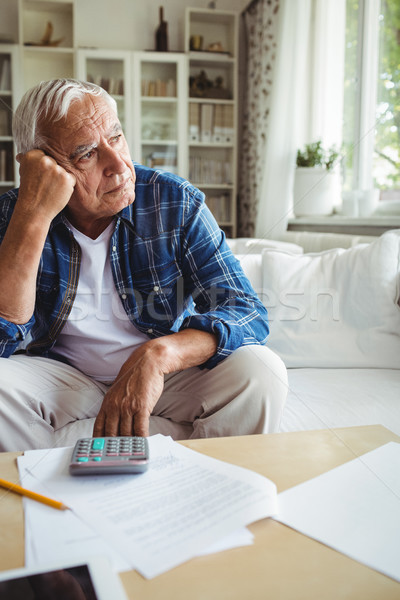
<point>89,143</point>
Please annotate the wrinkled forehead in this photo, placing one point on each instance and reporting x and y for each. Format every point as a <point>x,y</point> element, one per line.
<point>86,121</point>
<point>88,111</point>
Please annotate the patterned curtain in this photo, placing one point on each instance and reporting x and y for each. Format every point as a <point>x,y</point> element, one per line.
<point>260,25</point>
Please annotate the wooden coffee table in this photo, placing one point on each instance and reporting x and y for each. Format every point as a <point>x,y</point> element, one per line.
<point>281,563</point>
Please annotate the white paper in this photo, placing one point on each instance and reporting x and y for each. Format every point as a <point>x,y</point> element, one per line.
<point>240,537</point>
<point>52,535</point>
<point>58,536</point>
<point>354,508</point>
<point>184,503</point>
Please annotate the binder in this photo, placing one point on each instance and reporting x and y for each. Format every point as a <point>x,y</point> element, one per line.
<point>194,122</point>
<point>228,124</point>
<point>218,131</point>
<point>206,122</point>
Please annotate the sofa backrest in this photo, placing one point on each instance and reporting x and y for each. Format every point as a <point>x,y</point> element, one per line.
<point>314,241</point>
<point>336,308</point>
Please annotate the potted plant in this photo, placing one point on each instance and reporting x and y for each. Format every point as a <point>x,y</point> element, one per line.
<point>316,181</point>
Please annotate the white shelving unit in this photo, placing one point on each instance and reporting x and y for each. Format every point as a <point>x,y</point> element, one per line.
<point>158,94</point>
<point>211,44</point>
<point>160,107</point>
<point>9,94</point>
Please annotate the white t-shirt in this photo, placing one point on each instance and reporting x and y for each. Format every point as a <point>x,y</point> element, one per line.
<point>98,336</point>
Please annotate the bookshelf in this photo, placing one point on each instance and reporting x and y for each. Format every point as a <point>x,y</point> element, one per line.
<point>178,109</point>
<point>160,107</point>
<point>211,44</point>
<point>9,86</point>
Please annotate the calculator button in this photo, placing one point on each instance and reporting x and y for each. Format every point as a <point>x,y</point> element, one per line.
<point>98,444</point>
<point>82,459</point>
<point>97,458</point>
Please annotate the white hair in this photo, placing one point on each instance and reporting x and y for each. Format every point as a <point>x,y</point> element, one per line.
<point>50,101</point>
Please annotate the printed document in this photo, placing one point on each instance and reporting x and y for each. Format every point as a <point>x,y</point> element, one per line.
<point>354,508</point>
<point>154,521</point>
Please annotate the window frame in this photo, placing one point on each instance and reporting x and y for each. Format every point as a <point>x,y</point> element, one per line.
<point>366,99</point>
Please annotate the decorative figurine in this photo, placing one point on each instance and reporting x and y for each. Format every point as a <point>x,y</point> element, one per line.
<point>46,39</point>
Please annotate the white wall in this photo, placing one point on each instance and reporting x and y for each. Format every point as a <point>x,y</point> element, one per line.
<point>131,24</point>
<point>123,24</point>
<point>9,20</point>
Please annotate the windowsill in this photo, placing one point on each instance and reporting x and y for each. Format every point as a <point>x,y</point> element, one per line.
<point>341,224</point>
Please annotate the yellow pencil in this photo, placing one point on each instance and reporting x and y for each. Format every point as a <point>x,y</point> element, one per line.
<point>13,487</point>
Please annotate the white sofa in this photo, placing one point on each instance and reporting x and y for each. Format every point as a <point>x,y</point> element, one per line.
<point>335,322</point>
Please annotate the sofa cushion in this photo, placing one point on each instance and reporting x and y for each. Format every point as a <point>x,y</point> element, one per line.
<point>337,308</point>
<point>330,398</point>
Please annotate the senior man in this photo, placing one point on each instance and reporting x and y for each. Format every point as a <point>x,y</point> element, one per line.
<point>119,299</point>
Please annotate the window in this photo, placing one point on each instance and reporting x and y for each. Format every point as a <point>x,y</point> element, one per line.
<point>371,123</point>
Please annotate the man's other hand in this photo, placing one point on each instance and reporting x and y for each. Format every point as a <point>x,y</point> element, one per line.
<point>128,404</point>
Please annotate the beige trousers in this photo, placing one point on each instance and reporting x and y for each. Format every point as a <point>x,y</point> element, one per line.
<point>45,403</point>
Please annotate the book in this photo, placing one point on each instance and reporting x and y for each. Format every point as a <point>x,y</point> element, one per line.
<point>3,165</point>
<point>4,121</point>
<point>5,75</point>
<point>220,207</point>
<point>194,122</point>
<point>207,114</point>
<point>218,129</point>
<point>228,124</point>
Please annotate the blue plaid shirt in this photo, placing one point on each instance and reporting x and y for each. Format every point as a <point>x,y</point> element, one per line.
<point>171,265</point>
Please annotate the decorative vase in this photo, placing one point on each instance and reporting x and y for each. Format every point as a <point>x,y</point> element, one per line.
<point>316,191</point>
<point>162,33</point>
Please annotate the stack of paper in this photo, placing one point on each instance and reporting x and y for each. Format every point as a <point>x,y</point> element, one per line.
<point>178,509</point>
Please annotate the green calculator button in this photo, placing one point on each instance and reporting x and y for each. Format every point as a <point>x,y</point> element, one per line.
<point>97,458</point>
<point>98,444</point>
<point>82,459</point>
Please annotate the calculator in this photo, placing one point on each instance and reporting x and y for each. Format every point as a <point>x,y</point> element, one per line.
<point>108,455</point>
